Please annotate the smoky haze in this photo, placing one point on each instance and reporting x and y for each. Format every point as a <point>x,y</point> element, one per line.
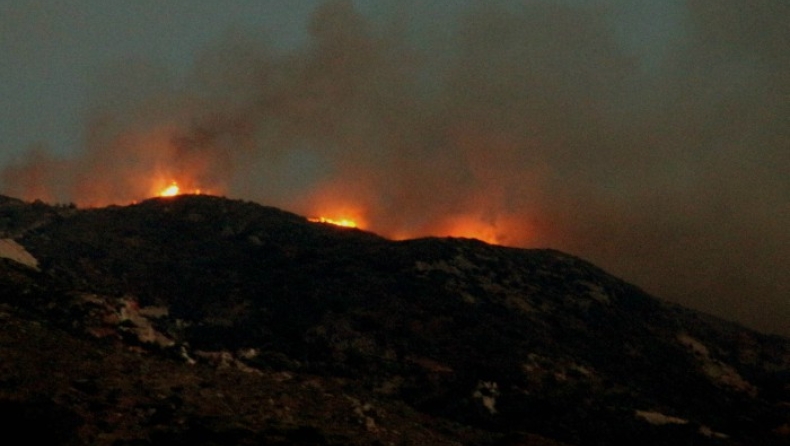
<point>532,126</point>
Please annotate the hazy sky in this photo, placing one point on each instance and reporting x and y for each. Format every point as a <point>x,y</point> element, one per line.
<point>55,51</point>
<point>650,137</point>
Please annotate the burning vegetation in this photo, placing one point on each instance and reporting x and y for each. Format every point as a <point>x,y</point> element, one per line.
<point>174,189</point>
<point>170,191</point>
<point>345,222</point>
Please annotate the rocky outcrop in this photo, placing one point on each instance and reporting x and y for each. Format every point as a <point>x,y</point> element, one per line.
<point>10,249</point>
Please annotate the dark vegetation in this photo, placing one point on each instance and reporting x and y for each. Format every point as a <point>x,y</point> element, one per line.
<point>283,331</point>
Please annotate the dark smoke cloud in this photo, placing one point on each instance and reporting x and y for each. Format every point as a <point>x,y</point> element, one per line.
<point>533,124</point>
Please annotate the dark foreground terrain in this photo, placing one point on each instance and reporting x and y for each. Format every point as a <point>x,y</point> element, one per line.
<point>199,320</point>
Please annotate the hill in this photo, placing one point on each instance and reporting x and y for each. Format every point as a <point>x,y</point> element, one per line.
<point>203,320</point>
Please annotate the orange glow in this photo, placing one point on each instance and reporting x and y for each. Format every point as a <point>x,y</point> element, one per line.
<point>170,191</point>
<point>344,222</point>
<point>468,226</point>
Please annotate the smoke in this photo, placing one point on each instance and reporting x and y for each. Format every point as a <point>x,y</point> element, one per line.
<point>537,125</point>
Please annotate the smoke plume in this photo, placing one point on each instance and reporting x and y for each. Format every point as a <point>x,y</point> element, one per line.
<point>530,126</point>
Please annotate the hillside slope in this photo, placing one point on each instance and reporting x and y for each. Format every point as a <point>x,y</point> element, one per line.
<point>203,320</point>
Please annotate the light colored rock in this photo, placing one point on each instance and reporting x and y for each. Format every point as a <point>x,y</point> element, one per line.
<point>10,249</point>
<point>658,418</point>
<point>487,392</point>
<point>719,372</point>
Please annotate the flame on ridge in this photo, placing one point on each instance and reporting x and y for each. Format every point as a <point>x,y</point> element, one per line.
<point>344,222</point>
<point>170,191</point>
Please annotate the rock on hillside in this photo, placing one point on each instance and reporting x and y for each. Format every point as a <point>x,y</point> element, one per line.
<point>199,319</point>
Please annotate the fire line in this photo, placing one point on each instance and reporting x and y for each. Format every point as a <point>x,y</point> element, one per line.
<point>344,222</point>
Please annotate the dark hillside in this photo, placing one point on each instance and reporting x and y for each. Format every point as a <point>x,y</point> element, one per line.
<point>316,334</point>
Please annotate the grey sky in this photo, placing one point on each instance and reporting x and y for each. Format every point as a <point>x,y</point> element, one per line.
<point>54,50</point>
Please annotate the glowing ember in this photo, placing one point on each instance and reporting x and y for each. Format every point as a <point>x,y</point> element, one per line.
<point>170,191</point>
<point>345,222</point>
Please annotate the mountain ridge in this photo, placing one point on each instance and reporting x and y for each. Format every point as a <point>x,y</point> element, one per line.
<point>492,345</point>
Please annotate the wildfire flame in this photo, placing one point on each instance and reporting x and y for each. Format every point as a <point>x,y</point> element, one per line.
<point>173,189</point>
<point>170,191</point>
<point>344,222</point>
